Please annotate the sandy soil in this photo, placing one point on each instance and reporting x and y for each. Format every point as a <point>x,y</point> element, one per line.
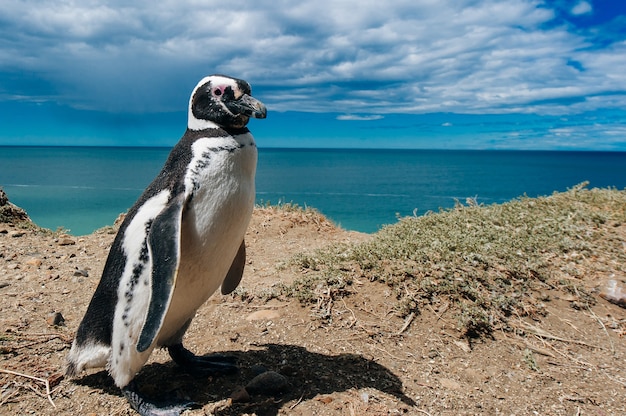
<point>364,360</point>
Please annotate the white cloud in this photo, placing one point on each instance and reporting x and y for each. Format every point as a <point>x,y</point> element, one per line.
<point>353,117</point>
<point>582,7</point>
<point>348,57</point>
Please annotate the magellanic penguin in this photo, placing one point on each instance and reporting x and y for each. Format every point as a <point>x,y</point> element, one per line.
<point>183,239</point>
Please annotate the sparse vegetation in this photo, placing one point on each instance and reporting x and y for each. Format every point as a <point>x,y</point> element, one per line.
<point>492,262</point>
<point>296,213</point>
<point>385,322</point>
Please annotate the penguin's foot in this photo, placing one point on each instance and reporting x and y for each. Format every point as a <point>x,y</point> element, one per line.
<point>147,408</point>
<point>207,365</point>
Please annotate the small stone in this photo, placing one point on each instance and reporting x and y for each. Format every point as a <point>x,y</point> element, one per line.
<point>81,272</point>
<point>56,319</point>
<point>433,354</point>
<point>240,395</point>
<point>449,384</point>
<point>325,399</point>
<point>614,292</point>
<point>66,241</point>
<point>464,345</point>
<point>268,383</point>
<point>265,314</point>
<point>33,262</point>
<point>16,234</point>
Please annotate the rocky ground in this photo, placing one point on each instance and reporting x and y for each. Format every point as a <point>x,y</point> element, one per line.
<point>364,360</point>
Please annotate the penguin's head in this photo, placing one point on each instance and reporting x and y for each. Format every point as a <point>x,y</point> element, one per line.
<point>222,101</point>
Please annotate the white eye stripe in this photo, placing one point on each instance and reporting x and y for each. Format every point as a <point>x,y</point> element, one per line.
<point>220,90</point>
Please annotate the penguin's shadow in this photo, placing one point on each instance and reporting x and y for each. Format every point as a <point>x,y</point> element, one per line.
<point>308,374</point>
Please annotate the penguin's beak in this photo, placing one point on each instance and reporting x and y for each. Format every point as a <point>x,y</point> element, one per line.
<point>248,106</point>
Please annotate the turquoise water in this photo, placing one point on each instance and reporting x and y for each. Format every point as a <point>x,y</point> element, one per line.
<point>85,188</point>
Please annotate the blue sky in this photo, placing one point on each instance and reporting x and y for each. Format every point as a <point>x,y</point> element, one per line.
<point>491,74</point>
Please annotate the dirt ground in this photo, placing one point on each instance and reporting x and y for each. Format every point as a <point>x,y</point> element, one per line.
<point>364,360</point>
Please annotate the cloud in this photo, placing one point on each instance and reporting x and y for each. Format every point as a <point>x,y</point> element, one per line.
<point>581,8</point>
<point>349,57</point>
<point>353,117</point>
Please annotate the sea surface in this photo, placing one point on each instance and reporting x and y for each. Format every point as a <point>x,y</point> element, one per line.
<point>84,188</point>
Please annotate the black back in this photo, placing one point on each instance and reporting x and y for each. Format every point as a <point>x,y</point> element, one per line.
<point>97,324</point>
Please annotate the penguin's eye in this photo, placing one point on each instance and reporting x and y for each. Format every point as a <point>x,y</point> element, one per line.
<point>217,92</point>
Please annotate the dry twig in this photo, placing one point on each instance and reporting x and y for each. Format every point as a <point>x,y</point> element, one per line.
<point>352,312</point>
<point>544,334</point>
<point>583,364</point>
<point>41,380</point>
<point>440,315</point>
<point>407,323</point>
<point>604,328</point>
<point>296,403</point>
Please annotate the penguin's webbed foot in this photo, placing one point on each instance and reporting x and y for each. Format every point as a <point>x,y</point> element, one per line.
<point>206,365</point>
<point>147,408</point>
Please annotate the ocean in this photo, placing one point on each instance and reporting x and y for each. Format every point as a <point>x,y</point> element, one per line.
<point>84,188</point>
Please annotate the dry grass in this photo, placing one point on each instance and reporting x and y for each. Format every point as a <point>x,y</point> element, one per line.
<point>490,263</point>
<point>386,320</point>
<point>296,214</point>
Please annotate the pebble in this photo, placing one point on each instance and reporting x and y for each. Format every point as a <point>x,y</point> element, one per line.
<point>16,234</point>
<point>66,241</point>
<point>240,395</point>
<point>56,319</point>
<point>449,384</point>
<point>268,383</point>
<point>614,292</point>
<point>265,314</point>
<point>81,272</point>
<point>33,262</point>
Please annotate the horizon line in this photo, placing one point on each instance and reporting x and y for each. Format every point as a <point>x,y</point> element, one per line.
<point>323,148</point>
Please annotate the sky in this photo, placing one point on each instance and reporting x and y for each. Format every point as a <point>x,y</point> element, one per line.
<point>449,74</point>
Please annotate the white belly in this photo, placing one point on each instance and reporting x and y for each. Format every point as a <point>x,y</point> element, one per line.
<point>213,227</point>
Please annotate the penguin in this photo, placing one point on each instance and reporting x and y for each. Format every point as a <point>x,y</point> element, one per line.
<point>181,241</point>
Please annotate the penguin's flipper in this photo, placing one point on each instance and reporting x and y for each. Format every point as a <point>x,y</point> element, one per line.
<point>164,246</point>
<point>235,273</point>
